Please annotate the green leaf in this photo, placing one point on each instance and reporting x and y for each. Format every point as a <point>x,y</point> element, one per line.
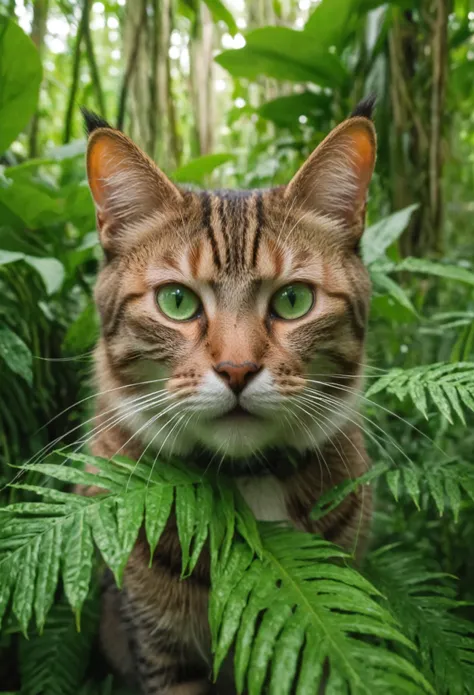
<point>82,334</point>
<point>50,270</point>
<point>330,22</point>
<point>23,596</point>
<point>420,601</point>
<point>220,13</point>
<point>205,509</point>
<point>49,561</point>
<point>16,354</point>
<point>384,283</point>
<point>411,483</point>
<point>158,501</point>
<point>393,481</point>
<point>55,662</point>
<point>130,511</point>
<point>448,384</point>
<point>77,562</point>
<point>378,237</point>
<point>105,533</point>
<point>331,499</point>
<point>186,519</point>
<point>286,54</point>
<point>20,79</point>
<point>197,169</point>
<point>285,111</point>
<point>8,574</point>
<point>426,267</point>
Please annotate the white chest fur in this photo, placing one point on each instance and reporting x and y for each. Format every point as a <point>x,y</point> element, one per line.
<point>265,497</point>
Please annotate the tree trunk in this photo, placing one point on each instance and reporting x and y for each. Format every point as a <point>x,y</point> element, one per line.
<point>418,60</point>
<point>76,65</point>
<point>38,31</point>
<point>94,71</point>
<point>202,69</point>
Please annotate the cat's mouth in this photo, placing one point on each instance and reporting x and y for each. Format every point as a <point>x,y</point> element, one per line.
<point>237,414</point>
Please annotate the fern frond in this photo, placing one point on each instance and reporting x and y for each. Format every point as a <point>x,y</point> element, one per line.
<point>450,386</point>
<point>41,541</point>
<point>424,603</point>
<point>275,592</point>
<point>293,614</point>
<point>444,482</point>
<point>55,662</point>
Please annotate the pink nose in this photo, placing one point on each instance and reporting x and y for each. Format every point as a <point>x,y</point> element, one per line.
<point>237,376</point>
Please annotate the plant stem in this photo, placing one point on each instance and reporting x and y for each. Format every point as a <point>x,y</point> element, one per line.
<point>76,64</point>
<point>130,68</point>
<point>38,31</point>
<point>95,76</point>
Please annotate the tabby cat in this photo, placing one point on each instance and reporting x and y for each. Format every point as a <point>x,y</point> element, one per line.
<point>232,336</point>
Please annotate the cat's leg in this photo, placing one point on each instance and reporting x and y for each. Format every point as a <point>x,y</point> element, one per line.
<point>165,667</point>
<point>167,625</point>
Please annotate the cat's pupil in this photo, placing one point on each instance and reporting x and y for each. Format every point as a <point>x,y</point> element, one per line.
<point>178,295</point>
<point>291,294</point>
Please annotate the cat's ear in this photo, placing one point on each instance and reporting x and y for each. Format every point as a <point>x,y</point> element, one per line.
<point>334,180</point>
<point>126,185</point>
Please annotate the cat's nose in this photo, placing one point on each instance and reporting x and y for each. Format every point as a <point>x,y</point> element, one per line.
<point>237,376</point>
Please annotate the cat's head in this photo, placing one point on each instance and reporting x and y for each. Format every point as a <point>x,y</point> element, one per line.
<point>232,321</point>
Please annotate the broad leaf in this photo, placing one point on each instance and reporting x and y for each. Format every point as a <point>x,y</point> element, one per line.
<point>285,111</point>
<point>16,354</point>
<point>383,283</point>
<point>331,21</point>
<point>286,54</point>
<point>197,169</point>
<point>379,236</point>
<point>220,13</point>
<point>426,267</point>
<point>20,79</point>
<point>50,270</point>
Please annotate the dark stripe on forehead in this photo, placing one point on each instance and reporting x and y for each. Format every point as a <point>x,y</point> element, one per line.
<point>206,221</point>
<point>223,219</point>
<point>241,233</point>
<point>258,229</point>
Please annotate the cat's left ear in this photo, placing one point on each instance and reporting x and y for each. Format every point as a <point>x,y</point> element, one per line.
<point>334,180</point>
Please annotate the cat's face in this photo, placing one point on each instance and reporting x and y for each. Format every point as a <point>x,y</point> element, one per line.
<point>239,317</point>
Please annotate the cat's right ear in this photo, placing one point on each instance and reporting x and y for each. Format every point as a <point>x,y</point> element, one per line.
<point>126,186</point>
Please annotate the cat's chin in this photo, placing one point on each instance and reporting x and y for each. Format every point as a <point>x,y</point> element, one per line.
<point>238,434</point>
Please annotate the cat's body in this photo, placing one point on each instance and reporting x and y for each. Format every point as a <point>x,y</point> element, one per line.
<point>236,385</point>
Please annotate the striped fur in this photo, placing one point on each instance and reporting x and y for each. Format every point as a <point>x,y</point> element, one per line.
<point>234,249</point>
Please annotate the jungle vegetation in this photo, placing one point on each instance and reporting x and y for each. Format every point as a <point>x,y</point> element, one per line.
<point>237,93</point>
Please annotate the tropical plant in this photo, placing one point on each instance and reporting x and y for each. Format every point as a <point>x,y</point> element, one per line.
<point>292,609</point>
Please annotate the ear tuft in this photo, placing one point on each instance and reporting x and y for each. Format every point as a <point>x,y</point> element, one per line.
<point>92,121</point>
<point>365,107</point>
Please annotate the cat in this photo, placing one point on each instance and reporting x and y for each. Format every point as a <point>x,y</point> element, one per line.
<point>232,335</point>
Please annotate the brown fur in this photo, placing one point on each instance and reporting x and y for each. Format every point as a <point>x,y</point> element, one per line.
<point>234,250</point>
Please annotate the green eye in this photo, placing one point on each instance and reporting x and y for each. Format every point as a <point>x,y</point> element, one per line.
<point>292,301</point>
<point>178,302</point>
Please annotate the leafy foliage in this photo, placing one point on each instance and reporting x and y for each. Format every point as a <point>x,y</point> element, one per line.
<point>277,595</point>
<point>294,609</point>
<point>274,591</point>
<point>425,604</point>
<point>450,386</point>
<point>20,80</point>
<point>54,662</point>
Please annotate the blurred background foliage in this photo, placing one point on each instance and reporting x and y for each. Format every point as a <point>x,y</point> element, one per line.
<point>233,93</point>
